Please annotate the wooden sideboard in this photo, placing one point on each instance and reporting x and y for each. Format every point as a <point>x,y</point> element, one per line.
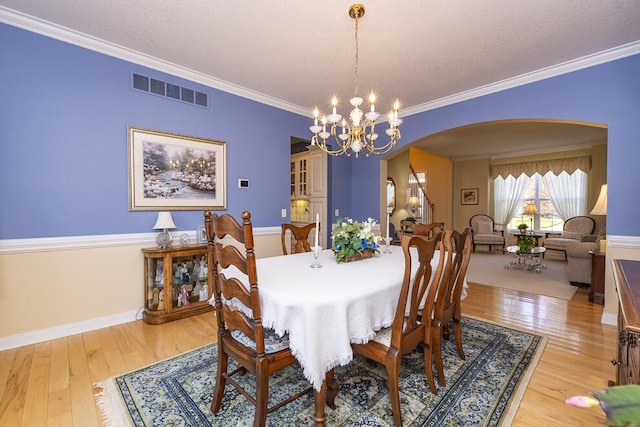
<point>627,278</point>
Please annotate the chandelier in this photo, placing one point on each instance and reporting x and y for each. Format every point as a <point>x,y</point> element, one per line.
<point>356,135</point>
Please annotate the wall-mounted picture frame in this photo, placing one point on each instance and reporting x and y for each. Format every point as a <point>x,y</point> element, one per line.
<point>168,171</point>
<point>469,196</point>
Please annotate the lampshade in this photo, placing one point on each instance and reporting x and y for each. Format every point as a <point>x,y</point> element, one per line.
<point>601,205</point>
<point>413,202</point>
<point>164,221</point>
<point>530,209</point>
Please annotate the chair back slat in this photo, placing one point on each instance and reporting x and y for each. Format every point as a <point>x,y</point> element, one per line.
<point>457,252</point>
<point>417,290</point>
<point>224,235</point>
<point>427,229</point>
<point>300,235</point>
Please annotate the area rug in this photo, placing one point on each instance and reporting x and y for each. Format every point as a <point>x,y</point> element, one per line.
<point>485,389</point>
<point>489,269</point>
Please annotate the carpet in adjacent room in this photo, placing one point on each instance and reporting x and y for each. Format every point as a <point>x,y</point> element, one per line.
<point>489,269</point>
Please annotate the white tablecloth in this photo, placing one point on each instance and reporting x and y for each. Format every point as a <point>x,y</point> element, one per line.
<point>325,310</point>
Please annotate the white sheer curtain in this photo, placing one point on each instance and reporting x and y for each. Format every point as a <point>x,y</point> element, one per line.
<point>507,193</point>
<point>568,193</point>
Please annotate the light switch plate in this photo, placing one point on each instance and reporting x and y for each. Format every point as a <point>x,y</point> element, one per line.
<point>337,212</point>
<point>284,213</point>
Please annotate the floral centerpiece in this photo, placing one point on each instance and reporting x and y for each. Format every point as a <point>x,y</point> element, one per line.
<point>352,239</point>
<point>525,244</point>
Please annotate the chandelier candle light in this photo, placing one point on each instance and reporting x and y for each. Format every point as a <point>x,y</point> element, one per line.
<point>356,134</point>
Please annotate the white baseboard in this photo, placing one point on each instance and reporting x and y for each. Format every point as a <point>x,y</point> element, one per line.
<point>609,319</point>
<point>55,332</point>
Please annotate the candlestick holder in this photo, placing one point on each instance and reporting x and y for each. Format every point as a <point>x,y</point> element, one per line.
<point>316,254</point>
<point>387,242</point>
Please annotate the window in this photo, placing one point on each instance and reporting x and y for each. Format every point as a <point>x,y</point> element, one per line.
<point>554,196</point>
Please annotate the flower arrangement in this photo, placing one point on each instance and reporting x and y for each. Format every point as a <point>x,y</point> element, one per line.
<point>351,237</point>
<point>621,404</point>
<point>526,243</point>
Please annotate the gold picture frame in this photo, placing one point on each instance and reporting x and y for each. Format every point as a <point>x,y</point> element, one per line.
<point>169,171</point>
<point>469,196</point>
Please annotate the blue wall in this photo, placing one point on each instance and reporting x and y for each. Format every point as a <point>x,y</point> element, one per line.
<point>63,139</point>
<point>608,94</point>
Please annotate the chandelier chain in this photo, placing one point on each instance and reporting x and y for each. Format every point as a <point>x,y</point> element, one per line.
<point>356,76</point>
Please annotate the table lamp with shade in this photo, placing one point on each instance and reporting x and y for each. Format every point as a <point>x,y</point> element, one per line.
<point>601,209</point>
<point>413,203</point>
<point>531,211</point>
<point>164,223</point>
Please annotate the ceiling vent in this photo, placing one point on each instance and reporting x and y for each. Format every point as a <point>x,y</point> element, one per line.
<point>168,90</point>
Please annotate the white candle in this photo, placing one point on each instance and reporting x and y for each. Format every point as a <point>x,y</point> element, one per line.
<point>388,221</point>
<point>317,226</point>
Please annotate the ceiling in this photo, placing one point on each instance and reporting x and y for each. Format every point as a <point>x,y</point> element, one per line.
<point>296,54</point>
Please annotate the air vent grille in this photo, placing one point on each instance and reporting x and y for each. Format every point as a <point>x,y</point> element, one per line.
<point>168,90</point>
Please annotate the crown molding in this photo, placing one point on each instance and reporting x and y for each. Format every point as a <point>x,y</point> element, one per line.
<point>594,59</point>
<point>58,32</point>
<point>48,29</point>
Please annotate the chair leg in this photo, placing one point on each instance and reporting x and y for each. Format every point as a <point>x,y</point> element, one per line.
<point>393,373</point>
<point>221,380</point>
<point>436,335</point>
<point>262,395</point>
<point>457,329</point>
<point>428,368</point>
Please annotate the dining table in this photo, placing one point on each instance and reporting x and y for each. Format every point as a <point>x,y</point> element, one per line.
<point>324,310</point>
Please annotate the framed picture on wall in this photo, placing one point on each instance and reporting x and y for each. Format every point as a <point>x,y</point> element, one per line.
<point>175,172</point>
<point>469,196</point>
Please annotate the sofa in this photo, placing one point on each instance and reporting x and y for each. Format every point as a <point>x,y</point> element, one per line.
<point>579,262</point>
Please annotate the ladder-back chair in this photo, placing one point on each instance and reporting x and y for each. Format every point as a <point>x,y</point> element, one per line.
<point>240,332</point>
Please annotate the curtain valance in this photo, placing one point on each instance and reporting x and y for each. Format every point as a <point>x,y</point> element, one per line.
<point>556,166</point>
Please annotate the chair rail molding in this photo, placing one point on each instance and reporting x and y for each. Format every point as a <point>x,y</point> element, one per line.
<point>45,244</point>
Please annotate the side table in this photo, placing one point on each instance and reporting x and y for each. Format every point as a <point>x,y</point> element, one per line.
<point>598,260</point>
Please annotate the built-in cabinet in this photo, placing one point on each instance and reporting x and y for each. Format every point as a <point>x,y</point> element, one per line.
<point>318,173</point>
<point>309,189</point>
<point>299,175</point>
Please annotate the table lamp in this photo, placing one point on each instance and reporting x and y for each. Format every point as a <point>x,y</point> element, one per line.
<point>164,223</point>
<point>601,209</point>
<point>413,204</point>
<point>531,210</point>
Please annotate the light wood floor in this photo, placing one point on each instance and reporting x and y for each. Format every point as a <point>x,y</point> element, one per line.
<point>51,383</point>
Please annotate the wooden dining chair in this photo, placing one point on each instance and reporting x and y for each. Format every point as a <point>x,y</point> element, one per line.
<point>300,236</point>
<point>407,330</point>
<point>256,349</point>
<point>427,229</point>
<point>447,307</point>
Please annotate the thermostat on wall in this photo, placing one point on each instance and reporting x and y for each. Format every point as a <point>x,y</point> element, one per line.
<point>243,183</point>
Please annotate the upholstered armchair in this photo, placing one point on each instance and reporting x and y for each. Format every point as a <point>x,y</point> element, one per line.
<point>577,229</point>
<point>579,262</point>
<point>483,232</point>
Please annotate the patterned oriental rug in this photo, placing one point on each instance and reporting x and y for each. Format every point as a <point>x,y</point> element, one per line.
<point>484,390</point>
